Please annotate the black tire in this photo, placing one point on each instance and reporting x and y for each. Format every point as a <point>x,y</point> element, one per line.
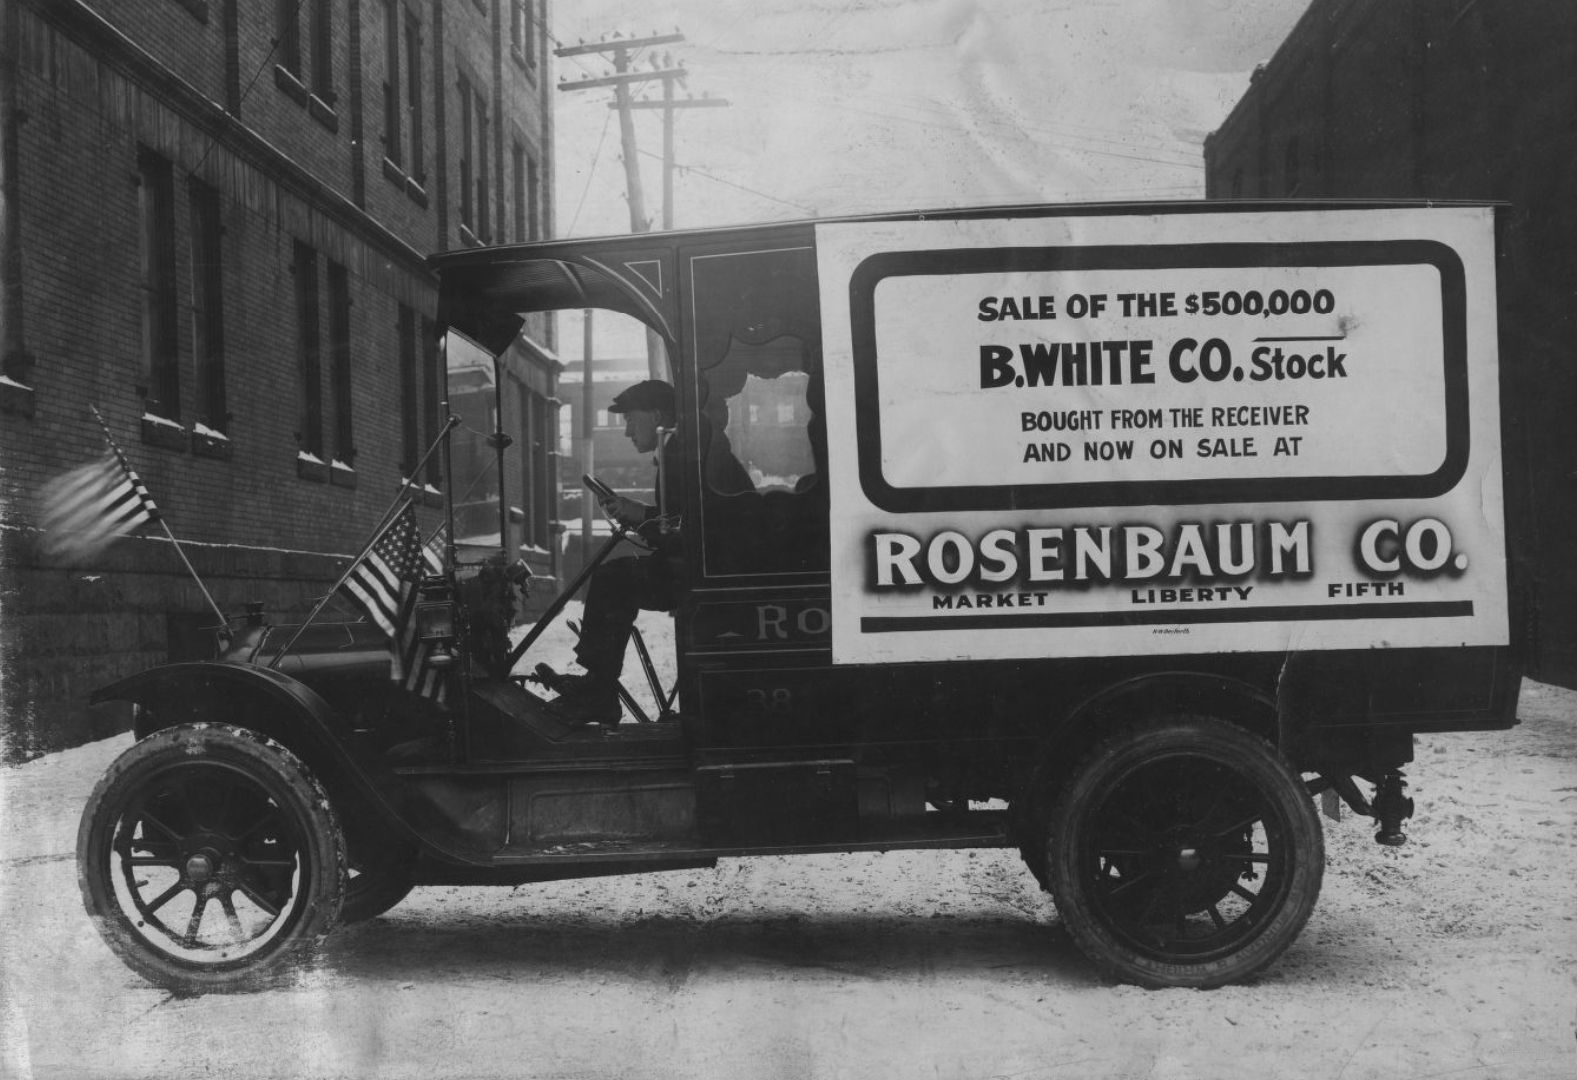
<point>1184,852</point>
<point>380,877</point>
<point>209,858</point>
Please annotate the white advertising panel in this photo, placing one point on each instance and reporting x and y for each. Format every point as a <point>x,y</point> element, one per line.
<point>1185,432</point>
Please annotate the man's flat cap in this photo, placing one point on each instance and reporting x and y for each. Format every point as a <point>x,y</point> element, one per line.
<point>653,395</point>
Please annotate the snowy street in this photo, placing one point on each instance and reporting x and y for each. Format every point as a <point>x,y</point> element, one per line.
<point>1453,956</point>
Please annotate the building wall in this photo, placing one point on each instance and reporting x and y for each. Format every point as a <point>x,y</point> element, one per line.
<point>1466,99</point>
<point>101,90</point>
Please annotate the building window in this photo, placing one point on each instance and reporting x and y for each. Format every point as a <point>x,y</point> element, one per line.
<point>467,218</point>
<point>323,50</point>
<point>432,374</point>
<point>309,352</point>
<point>541,471</point>
<point>421,373</point>
<point>533,199</point>
<point>523,30</point>
<point>160,348</point>
<point>1237,183</point>
<point>413,92</point>
<point>391,83</point>
<point>1292,165</point>
<point>473,160</point>
<point>517,155</point>
<point>479,114</point>
<point>344,448</point>
<point>208,326</point>
<point>287,33</point>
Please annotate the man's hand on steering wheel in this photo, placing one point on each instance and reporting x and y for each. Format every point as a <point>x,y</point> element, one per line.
<point>626,511</point>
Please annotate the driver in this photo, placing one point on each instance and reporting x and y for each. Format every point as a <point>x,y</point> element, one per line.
<point>622,587</point>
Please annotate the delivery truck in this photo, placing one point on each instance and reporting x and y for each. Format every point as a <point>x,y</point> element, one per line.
<point>1125,536</point>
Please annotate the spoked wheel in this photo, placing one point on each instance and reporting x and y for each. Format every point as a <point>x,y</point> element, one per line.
<point>1185,853</point>
<point>208,856</point>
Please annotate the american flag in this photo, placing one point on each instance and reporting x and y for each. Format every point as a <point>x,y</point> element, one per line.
<point>90,507</point>
<point>385,586</point>
<point>411,666</point>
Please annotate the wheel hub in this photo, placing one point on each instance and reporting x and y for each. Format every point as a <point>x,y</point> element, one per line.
<point>1188,858</point>
<point>200,867</point>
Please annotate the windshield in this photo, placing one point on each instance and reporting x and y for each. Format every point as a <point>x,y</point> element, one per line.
<point>500,454</point>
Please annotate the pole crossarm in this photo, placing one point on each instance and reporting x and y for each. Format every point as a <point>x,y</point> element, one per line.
<point>625,79</point>
<point>618,43</point>
<point>689,103</point>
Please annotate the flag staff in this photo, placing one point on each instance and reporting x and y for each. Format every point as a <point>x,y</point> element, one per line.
<point>388,516</point>
<point>224,622</point>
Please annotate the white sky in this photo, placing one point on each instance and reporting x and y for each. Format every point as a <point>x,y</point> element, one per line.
<point>851,106</point>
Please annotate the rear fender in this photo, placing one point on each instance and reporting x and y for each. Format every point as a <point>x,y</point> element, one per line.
<point>1170,692</point>
<point>295,715</point>
<point>1163,693</point>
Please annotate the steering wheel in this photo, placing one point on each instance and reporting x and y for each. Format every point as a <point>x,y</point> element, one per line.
<point>643,536</point>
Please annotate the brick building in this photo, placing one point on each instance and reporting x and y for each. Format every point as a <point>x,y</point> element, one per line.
<point>1451,99</point>
<point>214,217</point>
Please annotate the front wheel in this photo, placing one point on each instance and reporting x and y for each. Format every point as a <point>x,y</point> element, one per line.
<point>1185,852</point>
<point>208,856</point>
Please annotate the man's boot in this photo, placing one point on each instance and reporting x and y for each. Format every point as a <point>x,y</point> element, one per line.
<point>589,701</point>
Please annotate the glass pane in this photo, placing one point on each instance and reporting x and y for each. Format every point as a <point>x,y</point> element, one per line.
<point>767,432</point>
<point>473,460</point>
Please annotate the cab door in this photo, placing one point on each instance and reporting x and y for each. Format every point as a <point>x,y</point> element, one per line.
<point>772,738</point>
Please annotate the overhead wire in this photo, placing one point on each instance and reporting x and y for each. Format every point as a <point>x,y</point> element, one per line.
<point>591,173</point>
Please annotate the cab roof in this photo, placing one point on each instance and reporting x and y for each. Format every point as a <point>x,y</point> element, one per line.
<point>484,291</point>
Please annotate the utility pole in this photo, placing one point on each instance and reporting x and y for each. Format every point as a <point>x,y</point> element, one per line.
<point>669,104</point>
<point>623,51</point>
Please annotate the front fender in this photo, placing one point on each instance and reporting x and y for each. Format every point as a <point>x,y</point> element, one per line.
<point>295,715</point>
<point>208,690</point>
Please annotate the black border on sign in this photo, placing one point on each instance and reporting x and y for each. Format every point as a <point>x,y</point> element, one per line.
<point>876,268</point>
<point>1425,609</point>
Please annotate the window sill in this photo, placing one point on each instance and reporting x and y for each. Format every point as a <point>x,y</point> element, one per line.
<point>215,447</point>
<point>16,398</point>
<point>469,238</point>
<point>417,193</point>
<point>424,495</point>
<point>294,90</point>
<point>323,113</point>
<point>315,471</point>
<point>393,173</point>
<point>345,478</point>
<point>166,435</point>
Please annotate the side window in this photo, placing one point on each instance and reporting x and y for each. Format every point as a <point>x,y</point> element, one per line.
<point>766,421</point>
<point>759,447</point>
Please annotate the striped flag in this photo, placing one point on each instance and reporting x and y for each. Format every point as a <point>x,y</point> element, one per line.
<point>90,507</point>
<point>385,585</point>
<point>411,666</point>
<point>385,579</point>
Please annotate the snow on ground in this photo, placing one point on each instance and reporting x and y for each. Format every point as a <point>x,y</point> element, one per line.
<point>1453,956</point>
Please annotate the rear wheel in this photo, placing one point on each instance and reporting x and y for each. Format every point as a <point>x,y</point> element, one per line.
<point>208,856</point>
<point>1185,852</point>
